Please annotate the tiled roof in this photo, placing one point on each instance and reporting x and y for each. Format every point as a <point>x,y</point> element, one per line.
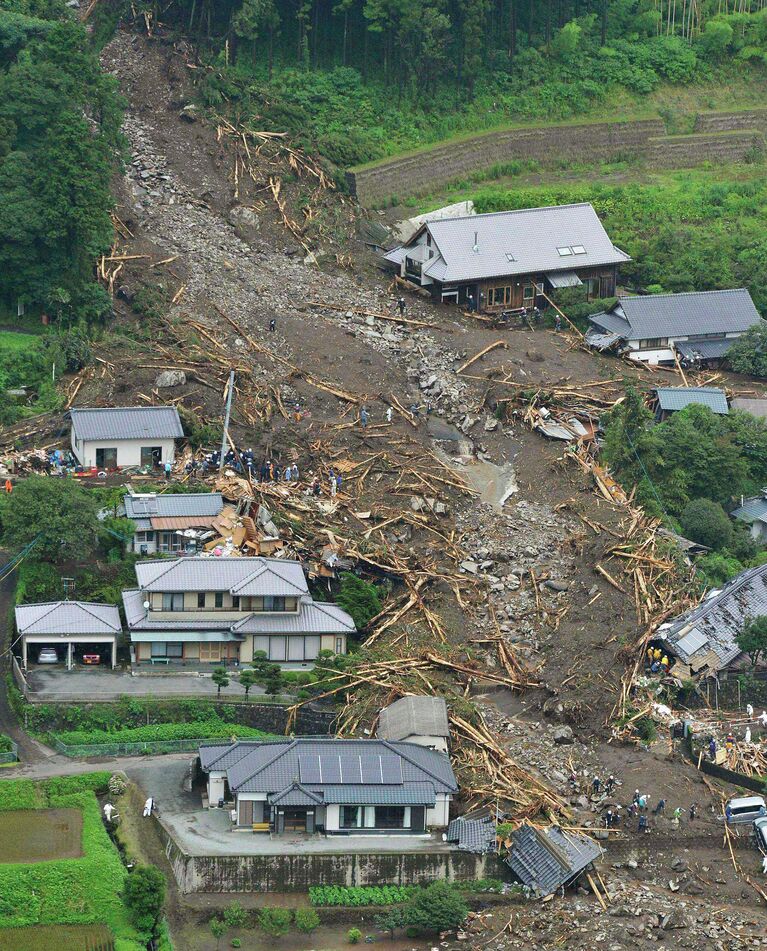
<point>127,422</point>
<point>223,755</point>
<point>243,576</point>
<point>413,716</point>
<point>680,315</point>
<point>68,617</point>
<point>314,617</point>
<point>167,505</point>
<point>520,242</point>
<point>473,835</point>
<point>752,510</point>
<point>674,398</point>
<point>718,619</point>
<point>295,795</point>
<point>706,349</point>
<point>545,859</point>
<point>269,767</point>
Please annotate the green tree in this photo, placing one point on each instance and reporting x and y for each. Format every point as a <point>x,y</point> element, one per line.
<point>235,915</point>
<point>632,449</point>
<point>391,920</point>
<point>359,599</point>
<point>716,38</point>
<point>218,930</point>
<point>706,523</point>
<point>274,921</point>
<point>144,896</point>
<point>438,907</point>
<point>752,640</point>
<point>353,935</point>
<point>306,920</point>
<point>274,680</point>
<point>565,43</point>
<point>248,678</point>
<point>748,354</point>
<point>60,511</point>
<point>220,679</point>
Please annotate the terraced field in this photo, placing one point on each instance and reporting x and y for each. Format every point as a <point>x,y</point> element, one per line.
<point>40,835</point>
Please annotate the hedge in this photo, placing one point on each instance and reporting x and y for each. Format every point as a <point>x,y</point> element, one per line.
<point>205,730</point>
<point>86,890</point>
<point>330,895</point>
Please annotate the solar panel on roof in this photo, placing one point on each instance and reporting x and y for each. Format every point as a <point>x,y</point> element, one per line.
<point>371,769</point>
<point>330,768</point>
<point>351,770</point>
<point>691,642</point>
<point>391,769</point>
<point>309,768</point>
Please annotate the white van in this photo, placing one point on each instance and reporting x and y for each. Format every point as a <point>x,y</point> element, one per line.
<point>745,809</point>
<point>760,831</point>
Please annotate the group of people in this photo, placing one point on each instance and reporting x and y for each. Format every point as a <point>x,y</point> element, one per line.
<point>639,808</point>
<point>657,661</point>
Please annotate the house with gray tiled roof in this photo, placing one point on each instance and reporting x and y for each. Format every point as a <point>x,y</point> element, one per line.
<point>508,259</point>
<point>161,521</point>
<point>74,629</point>
<point>545,859</point>
<point>697,327</point>
<point>753,512</point>
<point>203,610</point>
<point>672,399</point>
<point>340,787</point>
<point>125,436</point>
<point>416,719</point>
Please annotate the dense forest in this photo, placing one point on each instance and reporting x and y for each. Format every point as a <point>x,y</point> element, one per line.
<point>365,78</point>
<point>59,138</point>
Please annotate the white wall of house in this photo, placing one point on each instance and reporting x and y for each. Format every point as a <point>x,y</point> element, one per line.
<point>438,816</point>
<point>215,788</point>
<point>128,450</point>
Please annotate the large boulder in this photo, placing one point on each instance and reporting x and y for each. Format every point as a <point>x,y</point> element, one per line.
<point>170,378</point>
<point>563,735</point>
<point>246,223</point>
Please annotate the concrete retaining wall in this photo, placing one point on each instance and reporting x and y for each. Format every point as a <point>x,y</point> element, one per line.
<point>718,137</point>
<point>296,873</point>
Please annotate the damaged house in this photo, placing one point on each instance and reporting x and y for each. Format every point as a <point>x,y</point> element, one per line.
<point>703,640</point>
<point>125,436</point>
<point>197,611</point>
<point>548,859</point>
<point>508,259</point>
<point>698,327</point>
<point>337,787</point>
<point>171,524</point>
<point>416,719</point>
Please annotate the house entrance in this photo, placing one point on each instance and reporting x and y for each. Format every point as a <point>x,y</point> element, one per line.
<point>106,458</point>
<point>295,820</point>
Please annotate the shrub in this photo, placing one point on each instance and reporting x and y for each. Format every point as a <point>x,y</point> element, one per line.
<point>437,907</point>
<point>144,896</point>
<point>275,921</point>
<point>236,943</point>
<point>117,785</point>
<point>212,729</point>
<point>306,920</point>
<point>235,915</point>
<point>358,895</point>
<point>359,599</point>
<point>353,935</point>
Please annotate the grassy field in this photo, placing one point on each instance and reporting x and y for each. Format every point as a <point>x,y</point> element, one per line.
<point>11,341</point>
<point>63,938</point>
<point>64,891</point>
<point>40,835</point>
<point>205,730</point>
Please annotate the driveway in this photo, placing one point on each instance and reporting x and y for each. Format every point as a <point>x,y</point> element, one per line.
<point>52,684</point>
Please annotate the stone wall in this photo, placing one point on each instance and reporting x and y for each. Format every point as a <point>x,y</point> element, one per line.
<point>296,873</point>
<point>718,137</point>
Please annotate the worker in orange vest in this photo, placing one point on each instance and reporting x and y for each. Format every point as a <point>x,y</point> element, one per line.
<point>8,486</point>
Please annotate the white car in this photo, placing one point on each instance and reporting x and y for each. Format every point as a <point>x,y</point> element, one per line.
<point>760,831</point>
<point>48,655</point>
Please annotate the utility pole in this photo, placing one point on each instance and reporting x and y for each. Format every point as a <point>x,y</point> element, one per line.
<point>229,394</point>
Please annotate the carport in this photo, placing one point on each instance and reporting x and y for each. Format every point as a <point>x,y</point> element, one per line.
<point>68,624</point>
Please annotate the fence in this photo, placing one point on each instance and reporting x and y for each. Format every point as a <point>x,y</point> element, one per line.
<point>149,748</point>
<point>12,756</point>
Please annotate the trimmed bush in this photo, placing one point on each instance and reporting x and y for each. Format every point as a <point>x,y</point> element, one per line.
<point>323,896</point>
<point>306,920</point>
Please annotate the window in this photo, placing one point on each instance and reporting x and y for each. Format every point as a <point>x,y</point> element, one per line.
<point>499,296</point>
<point>274,603</point>
<point>339,645</point>
<point>219,599</point>
<point>390,817</point>
<point>510,257</point>
<point>173,601</point>
<point>106,458</point>
<point>201,599</point>
<point>705,337</point>
<point>351,817</point>
<point>163,649</point>
<point>578,249</point>
<point>210,653</point>
<point>236,602</point>
<point>151,455</point>
<point>654,343</point>
<point>528,292</point>
<point>564,252</point>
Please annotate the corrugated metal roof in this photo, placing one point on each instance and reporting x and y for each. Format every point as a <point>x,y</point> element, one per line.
<point>674,398</point>
<point>126,422</point>
<point>681,315</point>
<point>269,767</point>
<point>520,242</point>
<point>68,617</point>
<point>413,716</point>
<point>173,506</point>
<point>243,576</point>
<point>564,279</point>
<point>720,618</point>
<point>545,859</point>
<point>756,408</point>
<point>752,510</point>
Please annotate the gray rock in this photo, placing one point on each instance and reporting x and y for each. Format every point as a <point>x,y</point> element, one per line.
<point>556,585</point>
<point>563,735</point>
<point>471,566</point>
<point>246,223</point>
<point>491,424</point>
<point>170,378</point>
<point>189,113</point>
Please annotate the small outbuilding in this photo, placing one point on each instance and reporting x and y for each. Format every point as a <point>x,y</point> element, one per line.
<point>160,521</point>
<point>414,719</point>
<point>125,436</point>
<point>70,628</point>
<point>547,859</point>
<point>672,399</point>
<point>753,512</point>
